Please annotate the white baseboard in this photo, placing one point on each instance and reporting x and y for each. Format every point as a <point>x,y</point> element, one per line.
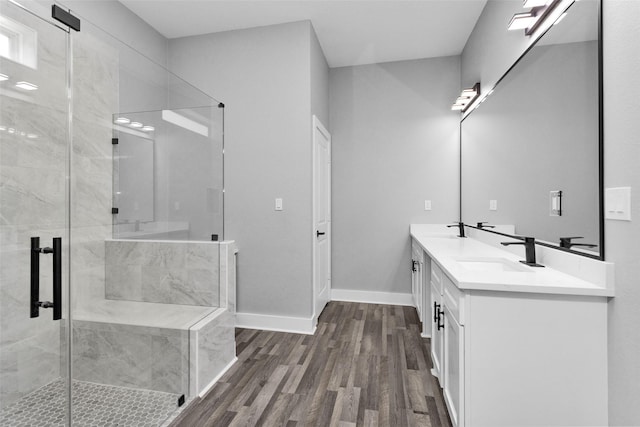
<point>215,380</point>
<point>296,325</point>
<point>371,297</point>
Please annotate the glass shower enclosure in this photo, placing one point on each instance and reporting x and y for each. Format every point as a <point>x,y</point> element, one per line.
<point>107,161</point>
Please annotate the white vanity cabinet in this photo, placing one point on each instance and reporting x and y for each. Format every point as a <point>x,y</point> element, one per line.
<point>437,328</point>
<point>453,352</point>
<point>417,268</point>
<point>420,273</point>
<point>516,358</point>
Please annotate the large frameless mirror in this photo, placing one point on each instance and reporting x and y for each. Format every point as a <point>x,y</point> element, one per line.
<point>531,151</point>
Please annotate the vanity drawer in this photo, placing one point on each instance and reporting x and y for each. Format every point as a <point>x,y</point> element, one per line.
<point>436,276</point>
<point>453,299</point>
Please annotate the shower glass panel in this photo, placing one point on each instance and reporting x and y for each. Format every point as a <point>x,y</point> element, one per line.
<point>97,326</point>
<point>146,198</point>
<point>168,174</point>
<point>34,212</point>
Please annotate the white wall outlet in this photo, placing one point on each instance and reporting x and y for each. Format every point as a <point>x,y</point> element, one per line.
<point>617,203</point>
<point>278,204</point>
<point>493,205</point>
<point>427,205</point>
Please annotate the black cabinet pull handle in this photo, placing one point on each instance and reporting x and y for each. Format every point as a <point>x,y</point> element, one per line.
<point>440,317</point>
<point>436,310</point>
<point>35,303</point>
<point>413,265</point>
<point>319,233</point>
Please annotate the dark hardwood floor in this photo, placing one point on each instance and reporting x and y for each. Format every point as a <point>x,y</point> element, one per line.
<point>366,365</point>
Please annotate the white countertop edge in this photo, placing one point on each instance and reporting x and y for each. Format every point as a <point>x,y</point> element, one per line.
<point>422,232</point>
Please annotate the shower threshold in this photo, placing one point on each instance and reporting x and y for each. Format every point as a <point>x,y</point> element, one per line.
<point>94,405</point>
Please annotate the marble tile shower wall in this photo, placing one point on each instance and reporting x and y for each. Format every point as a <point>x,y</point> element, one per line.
<point>172,272</point>
<point>131,356</point>
<point>95,98</point>
<point>32,200</point>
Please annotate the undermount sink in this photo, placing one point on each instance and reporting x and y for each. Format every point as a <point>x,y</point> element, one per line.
<point>491,265</point>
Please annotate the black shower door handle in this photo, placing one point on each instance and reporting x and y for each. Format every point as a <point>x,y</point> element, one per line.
<point>36,304</point>
<point>57,278</point>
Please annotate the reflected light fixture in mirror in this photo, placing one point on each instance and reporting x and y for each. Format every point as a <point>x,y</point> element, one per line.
<point>3,77</point>
<point>26,86</point>
<point>531,20</point>
<point>466,98</point>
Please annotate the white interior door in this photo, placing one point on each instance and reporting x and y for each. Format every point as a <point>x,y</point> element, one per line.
<point>321,217</point>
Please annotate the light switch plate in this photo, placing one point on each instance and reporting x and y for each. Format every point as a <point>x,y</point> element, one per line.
<point>427,205</point>
<point>555,203</point>
<point>278,204</point>
<point>493,205</point>
<point>617,203</point>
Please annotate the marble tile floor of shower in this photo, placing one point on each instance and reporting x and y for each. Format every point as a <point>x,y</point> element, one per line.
<point>94,405</point>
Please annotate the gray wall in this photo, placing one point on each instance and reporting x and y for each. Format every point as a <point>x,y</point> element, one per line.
<point>263,75</point>
<point>491,49</point>
<point>319,83</point>
<point>622,151</point>
<point>621,67</point>
<point>114,18</point>
<point>395,144</point>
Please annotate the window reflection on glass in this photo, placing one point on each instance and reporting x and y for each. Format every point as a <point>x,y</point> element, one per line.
<point>18,42</point>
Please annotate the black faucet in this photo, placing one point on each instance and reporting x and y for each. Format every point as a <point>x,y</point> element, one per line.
<point>565,242</point>
<point>460,226</point>
<point>529,249</point>
<point>482,225</point>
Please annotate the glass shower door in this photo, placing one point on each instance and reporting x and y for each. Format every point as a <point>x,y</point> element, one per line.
<point>34,218</point>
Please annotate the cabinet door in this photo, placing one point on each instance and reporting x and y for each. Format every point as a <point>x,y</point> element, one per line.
<point>413,281</point>
<point>454,368</point>
<point>437,335</point>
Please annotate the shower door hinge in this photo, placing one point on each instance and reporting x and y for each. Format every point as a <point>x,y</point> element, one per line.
<point>221,105</point>
<point>181,401</point>
<point>114,211</point>
<point>114,141</point>
<point>61,15</point>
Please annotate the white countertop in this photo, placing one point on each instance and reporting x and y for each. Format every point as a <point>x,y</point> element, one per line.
<point>446,251</point>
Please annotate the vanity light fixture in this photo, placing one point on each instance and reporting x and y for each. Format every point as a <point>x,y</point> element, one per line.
<point>148,128</point>
<point>535,3</point>
<point>531,20</point>
<point>3,77</point>
<point>122,121</point>
<point>522,21</point>
<point>466,98</point>
<point>136,125</point>
<point>32,136</point>
<point>26,86</point>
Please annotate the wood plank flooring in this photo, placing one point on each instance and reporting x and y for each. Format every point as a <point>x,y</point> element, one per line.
<point>366,365</point>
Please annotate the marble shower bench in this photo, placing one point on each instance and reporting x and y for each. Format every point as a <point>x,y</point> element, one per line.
<point>135,337</point>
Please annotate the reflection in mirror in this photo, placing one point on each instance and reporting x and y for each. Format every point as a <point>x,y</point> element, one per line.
<point>167,174</point>
<point>531,150</point>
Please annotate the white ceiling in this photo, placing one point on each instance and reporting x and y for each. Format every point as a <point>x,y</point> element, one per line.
<point>351,32</point>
